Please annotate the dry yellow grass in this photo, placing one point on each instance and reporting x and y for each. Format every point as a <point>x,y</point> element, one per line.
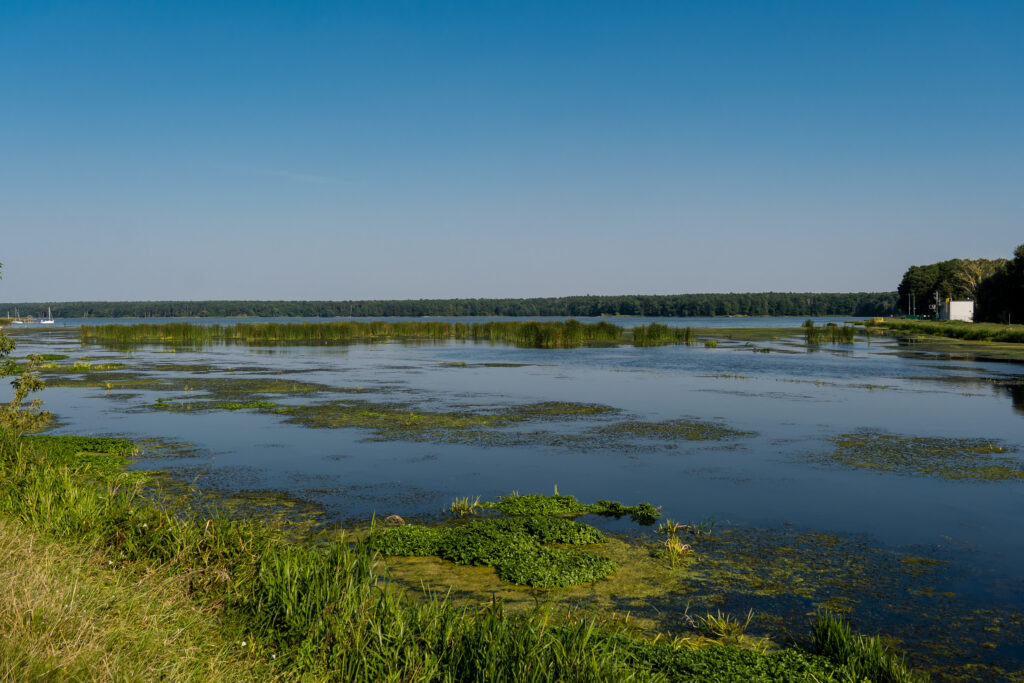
<point>66,615</point>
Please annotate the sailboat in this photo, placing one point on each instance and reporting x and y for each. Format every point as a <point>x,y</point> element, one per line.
<point>17,318</point>
<point>48,320</point>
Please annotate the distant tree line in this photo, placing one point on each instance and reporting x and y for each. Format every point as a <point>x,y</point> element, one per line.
<point>995,285</point>
<point>672,305</point>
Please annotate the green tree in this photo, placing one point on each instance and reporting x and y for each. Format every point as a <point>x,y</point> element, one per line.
<point>15,414</point>
<point>955,278</point>
<point>1001,295</point>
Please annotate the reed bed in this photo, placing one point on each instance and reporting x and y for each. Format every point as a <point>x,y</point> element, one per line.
<point>540,335</point>
<point>831,332</point>
<point>655,334</point>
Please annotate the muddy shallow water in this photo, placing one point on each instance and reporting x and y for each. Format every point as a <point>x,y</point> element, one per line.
<point>883,480</point>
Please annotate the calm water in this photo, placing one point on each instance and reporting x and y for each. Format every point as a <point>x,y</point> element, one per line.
<point>624,321</point>
<point>792,401</point>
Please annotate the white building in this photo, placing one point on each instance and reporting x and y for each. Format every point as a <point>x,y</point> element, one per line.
<point>956,310</point>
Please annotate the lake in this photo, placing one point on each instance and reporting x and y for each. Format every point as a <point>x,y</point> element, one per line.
<point>877,478</point>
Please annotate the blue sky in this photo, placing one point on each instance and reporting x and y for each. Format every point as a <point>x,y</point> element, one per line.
<point>354,150</point>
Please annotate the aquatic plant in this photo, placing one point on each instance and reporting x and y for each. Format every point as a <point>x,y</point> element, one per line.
<point>948,458</point>
<point>676,548</point>
<point>235,405</point>
<point>689,430</point>
<point>464,506</point>
<point>831,332</point>
<point>726,628</point>
<point>656,334</point>
<point>561,334</point>
<point>864,658</point>
<point>567,506</point>
<point>531,334</point>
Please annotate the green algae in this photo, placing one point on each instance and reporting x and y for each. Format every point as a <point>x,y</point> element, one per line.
<point>400,421</point>
<point>688,430</point>
<point>946,458</point>
<point>405,422</point>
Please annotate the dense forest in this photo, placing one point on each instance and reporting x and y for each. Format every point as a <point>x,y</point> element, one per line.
<point>681,305</point>
<point>995,285</point>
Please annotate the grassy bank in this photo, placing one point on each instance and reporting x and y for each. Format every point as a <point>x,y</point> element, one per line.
<point>100,583</point>
<point>989,332</point>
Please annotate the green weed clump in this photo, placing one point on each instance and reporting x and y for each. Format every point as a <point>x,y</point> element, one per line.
<point>831,332</point>
<point>514,546</point>
<point>656,334</point>
<point>557,505</point>
<point>863,658</point>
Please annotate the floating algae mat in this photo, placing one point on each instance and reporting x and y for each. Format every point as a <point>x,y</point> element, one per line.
<point>403,422</point>
<point>399,421</point>
<point>517,546</point>
<point>690,430</point>
<point>946,458</point>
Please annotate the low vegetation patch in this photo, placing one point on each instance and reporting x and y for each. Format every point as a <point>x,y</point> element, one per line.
<point>557,505</point>
<point>515,547</point>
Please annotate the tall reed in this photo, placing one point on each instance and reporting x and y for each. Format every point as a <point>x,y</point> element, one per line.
<point>532,334</point>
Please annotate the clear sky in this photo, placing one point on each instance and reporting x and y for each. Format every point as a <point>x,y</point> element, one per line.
<point>389,149</point>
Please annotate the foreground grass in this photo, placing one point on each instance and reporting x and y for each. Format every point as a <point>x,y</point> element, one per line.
<point>65,614</point>
<point>101,584</point>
